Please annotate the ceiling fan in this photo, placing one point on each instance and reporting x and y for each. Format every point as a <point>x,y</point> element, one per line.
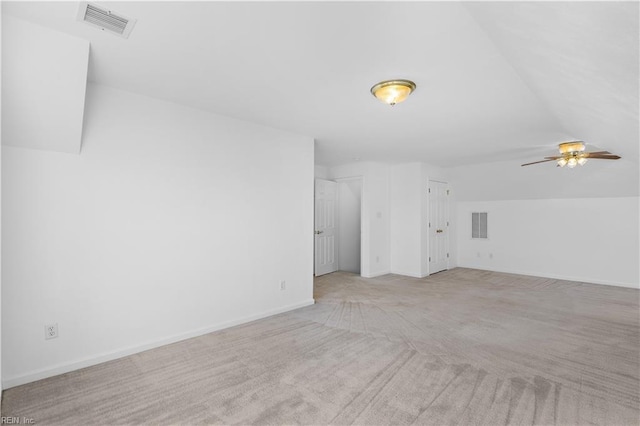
<point>572,154</point>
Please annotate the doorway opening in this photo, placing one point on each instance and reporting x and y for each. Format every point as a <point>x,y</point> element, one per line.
<point>349,217</point>
<point>338,225</point>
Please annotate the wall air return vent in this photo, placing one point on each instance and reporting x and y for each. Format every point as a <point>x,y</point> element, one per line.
<point>105,19</point>
<point>479,225</point>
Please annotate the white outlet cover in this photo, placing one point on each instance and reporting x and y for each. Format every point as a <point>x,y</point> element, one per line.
<point>50,331</point>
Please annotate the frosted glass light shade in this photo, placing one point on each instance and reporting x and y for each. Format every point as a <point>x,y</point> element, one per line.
<point>393,91</point>
<point>574,146</point>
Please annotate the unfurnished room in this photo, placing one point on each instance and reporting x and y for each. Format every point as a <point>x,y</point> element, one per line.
<point>320,213</point>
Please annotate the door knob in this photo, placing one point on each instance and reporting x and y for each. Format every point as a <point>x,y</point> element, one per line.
<point>438,230</point>
<point>318,232</point>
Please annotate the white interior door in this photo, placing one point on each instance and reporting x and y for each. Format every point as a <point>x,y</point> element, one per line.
<point>438,226</point>
<point>325,227</point>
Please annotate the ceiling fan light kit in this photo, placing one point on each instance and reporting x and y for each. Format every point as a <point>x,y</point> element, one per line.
<point>393,92</point>
<point>573,154</point>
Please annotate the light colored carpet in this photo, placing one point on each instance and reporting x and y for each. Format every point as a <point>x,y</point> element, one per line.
<point>460,347</point>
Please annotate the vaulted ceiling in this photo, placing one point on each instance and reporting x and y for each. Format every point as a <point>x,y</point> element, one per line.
<point>496,81</point>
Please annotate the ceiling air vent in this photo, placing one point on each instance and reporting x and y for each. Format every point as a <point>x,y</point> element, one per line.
<point>105,19</point>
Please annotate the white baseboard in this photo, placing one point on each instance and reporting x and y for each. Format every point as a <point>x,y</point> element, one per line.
<point>407,274</point>
<point>109,356</point>
<point>376,274</point>
<point>553,276</point>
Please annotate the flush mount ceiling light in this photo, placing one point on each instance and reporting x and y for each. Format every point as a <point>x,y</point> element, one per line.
<point>393,91</point>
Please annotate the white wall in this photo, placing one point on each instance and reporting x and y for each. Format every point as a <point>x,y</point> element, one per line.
<point>45,77</point>
<point>583,239</point>
<point>321,172</point>
<point>395,216</point>
<point>539,250</point>
<point>600,199</point>
<point>375,213</point>
<point>349,224</point>
<point>409,210</point>
<point>406,191</point>
<point>1,387</point>
<point>507,180</point>
<point>171,223</point>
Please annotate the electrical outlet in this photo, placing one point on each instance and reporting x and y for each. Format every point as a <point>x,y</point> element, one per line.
<point>377,259</point>
<point>490,255</point>
<point>478,254</point>
<point>50,331</point>
<point>283,285</point>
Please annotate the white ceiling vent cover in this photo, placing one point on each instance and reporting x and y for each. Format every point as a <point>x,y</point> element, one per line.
<point>105,19</point>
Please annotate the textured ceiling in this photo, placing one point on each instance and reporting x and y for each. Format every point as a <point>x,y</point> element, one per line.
<point>496,81</point>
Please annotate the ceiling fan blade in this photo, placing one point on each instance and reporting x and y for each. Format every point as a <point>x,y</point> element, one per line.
<point>536,162</point>
<point>605,157</point>
<point>596,153</point>
<point>553,158</point>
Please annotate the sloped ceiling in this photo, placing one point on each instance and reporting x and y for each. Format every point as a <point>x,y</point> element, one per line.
<point>496,81</point>
<point>581,60</point>
<point>42,95</point>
